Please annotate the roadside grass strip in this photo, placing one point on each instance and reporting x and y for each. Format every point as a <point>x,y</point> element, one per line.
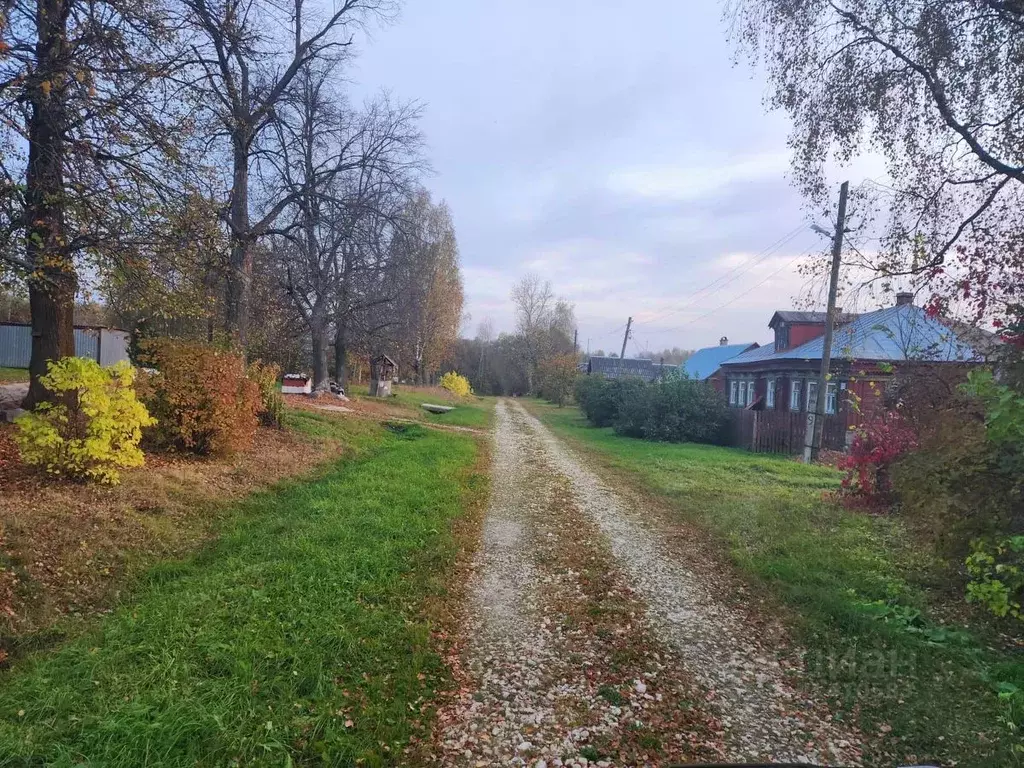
<point>299,636</point>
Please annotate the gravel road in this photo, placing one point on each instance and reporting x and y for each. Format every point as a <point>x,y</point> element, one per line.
<point>590,641</point>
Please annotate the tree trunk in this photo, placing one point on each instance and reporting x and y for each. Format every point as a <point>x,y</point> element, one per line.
<point>340,353</point>
<point>54,282</point>
<point>321,382</point>
<point>239,277</point>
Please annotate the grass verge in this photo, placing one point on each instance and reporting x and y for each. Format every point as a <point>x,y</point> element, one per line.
<point>855,584</point>
<point>297,637</point>
<point>13,375</point>
<point>474,412</point>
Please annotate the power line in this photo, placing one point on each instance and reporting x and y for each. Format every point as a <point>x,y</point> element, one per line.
<point>735,273</point>
<point>737,297</point>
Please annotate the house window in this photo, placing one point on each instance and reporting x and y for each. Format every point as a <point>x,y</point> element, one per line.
<point>733,392</point>
<point>769,397</point>
<point>782,338</point>
<point>812,396</point>
<point>831,398</point>
<point>794,395</point>
<point>751,392</point>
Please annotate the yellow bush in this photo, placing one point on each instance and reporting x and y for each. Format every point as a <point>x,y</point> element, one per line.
<point>456,384</point>
<point>93,428</point>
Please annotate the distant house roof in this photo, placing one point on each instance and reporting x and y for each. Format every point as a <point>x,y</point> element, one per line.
<point>903,332</point>
<point>793,316</point>
<point>614,367</point>
<point>704,362</point>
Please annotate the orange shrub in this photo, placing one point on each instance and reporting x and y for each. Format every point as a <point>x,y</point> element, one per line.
<point>201,397</point>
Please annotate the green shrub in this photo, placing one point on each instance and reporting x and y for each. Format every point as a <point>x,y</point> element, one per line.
<point>201,396</point>
<point>266,376</point>
<point>684,410</point>
<point>633,408</point>
<point>598,399</point>
<point>997,576</point>
<point>557,376</point>
<point>965,481</point>
<point>93,428</point>
<point>672,409</point>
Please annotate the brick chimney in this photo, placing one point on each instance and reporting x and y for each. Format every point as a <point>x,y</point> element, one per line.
<point>723,341</point>
<point>903,298</point>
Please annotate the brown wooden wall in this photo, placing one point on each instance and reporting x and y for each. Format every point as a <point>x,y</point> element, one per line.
<point>784,431</point>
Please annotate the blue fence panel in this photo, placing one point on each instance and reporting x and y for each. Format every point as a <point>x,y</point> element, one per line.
<point>87,343</point>
<point>16,345</point>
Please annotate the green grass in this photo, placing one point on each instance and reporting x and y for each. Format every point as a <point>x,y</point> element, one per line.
<point>10,375</point>
<point>857,587</point>
<point>472,411</point>
<point>297,637</point>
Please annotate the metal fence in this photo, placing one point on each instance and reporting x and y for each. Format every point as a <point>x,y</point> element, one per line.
<point>104,345</point>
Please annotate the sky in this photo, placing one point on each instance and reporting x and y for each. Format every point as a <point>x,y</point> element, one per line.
<point>613,148</point>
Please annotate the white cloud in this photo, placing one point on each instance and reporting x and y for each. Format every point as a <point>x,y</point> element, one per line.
<point>701,178</point>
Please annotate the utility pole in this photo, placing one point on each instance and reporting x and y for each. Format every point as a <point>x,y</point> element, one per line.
<point>575,341</point>
<point>816,420</point>
<point>629,324</point>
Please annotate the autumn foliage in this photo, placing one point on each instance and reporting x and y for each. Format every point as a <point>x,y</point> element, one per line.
<point>876,447</point>
<point>456,384</point>
<point>202,397</point>
<point>92,428</point>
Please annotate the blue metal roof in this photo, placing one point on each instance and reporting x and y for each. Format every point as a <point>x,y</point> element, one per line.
<point>903,332</point>
<point>704,362</point>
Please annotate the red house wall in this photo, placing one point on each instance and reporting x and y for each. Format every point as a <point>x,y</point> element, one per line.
<point>801,334</point>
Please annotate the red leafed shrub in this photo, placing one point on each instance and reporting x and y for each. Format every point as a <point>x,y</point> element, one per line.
<point>201,397</point>
<point>876,446</point>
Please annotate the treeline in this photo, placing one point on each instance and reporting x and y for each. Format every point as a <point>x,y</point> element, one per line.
<point>531,359</point>
<point>212,180</point>
<point>670,409</point>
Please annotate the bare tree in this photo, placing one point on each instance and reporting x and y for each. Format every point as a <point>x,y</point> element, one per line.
<point>340,169</point>
<point>545,323</point>
<point>247,67</point>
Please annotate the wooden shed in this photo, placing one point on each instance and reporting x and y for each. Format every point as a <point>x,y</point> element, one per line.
<point>382,373</point>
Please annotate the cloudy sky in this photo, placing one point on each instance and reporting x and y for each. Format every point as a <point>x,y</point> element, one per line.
<point>613,148</point>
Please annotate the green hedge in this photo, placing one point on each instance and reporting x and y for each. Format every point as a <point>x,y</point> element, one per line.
<point>674,409</point>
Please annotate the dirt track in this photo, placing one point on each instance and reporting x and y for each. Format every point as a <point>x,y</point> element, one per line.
<point>589,640</point>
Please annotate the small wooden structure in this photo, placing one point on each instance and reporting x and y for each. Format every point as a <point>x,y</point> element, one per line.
<point>382,372</point>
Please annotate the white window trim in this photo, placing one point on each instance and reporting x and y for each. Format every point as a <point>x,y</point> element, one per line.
<point>770,393</point>
<point>733,390</point>
<point>796,391</point>
<point>811,383</point>
<point>751,392</point>
<point>831,397</point>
